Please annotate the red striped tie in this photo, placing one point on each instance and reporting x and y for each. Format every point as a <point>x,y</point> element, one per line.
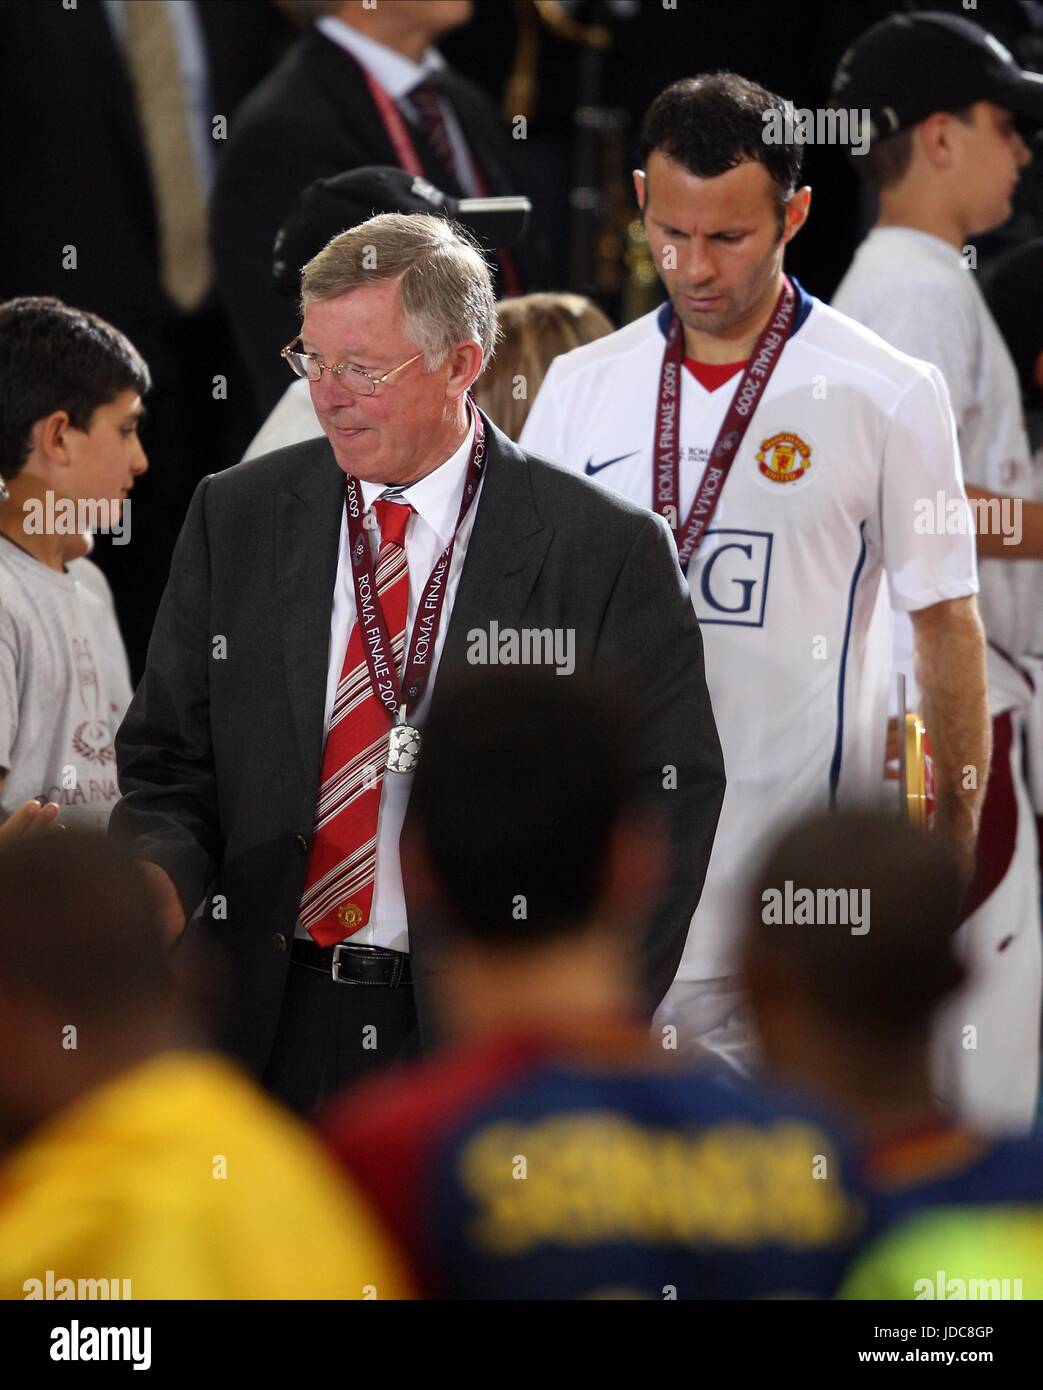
<point>338,889</point>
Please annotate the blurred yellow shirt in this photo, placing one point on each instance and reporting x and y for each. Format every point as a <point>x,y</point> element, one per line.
<point>182,1177</point>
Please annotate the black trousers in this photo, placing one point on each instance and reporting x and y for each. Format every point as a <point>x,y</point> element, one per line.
<point>331,1034</point>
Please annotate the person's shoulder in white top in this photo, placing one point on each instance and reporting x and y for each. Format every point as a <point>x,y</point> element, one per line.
<point>917,292</point>
<point>291,422</point>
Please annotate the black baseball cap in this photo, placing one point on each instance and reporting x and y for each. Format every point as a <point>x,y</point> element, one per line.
<point>908,66</point>
<point>328,207</point>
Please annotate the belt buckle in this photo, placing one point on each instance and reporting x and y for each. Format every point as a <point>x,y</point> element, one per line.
<point>335,970</point>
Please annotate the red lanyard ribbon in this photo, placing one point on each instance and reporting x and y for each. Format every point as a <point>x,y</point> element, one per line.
<point>396,694</point>
<point>666,451</point>
<point>396,128</point>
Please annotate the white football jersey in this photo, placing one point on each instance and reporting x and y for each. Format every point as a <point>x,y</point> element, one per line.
<point>820,504</point>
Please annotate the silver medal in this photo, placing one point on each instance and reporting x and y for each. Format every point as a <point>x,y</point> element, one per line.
<point>403,748</point>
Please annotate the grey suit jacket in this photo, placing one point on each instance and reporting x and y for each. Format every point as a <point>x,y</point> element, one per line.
<point>220,751</point>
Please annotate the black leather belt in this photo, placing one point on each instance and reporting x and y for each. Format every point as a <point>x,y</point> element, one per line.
<point>355,965</point>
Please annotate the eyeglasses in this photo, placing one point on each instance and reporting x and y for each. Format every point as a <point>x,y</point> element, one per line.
<point>311,367</point>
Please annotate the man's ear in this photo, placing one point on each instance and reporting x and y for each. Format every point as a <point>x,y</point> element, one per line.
<point>48,436</point>
<point>640,187</point>
<point>636,866</point>
<point>416,866</point>
<point>797,210</point>
<point>932,136</point>
<point>465,365</point>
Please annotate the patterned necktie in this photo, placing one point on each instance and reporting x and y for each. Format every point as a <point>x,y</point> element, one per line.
<point>338,887</point>
<point>184,248</point>
<point>427,97</point>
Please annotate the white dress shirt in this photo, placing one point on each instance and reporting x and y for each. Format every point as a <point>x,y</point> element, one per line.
<point>398,75</point>
<point>436,501</point>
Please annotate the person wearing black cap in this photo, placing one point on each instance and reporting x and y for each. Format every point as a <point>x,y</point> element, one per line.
<point>944,100</point>
<point>363,86</point>
<point>328,207</point>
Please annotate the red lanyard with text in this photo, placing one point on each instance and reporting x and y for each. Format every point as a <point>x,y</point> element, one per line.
<point>666,449</point>
<point>393,693</point>
<point>405,152</point>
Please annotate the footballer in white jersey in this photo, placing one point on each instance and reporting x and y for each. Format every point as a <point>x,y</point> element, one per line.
<point>812,542</point>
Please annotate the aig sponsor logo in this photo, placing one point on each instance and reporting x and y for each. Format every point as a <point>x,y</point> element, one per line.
<point>729,577</point>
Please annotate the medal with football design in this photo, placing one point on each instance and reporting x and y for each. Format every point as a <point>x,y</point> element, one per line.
<point>403,745</point>
<point>396,691</point>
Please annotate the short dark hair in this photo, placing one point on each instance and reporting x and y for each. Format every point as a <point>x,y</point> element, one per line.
<point>54,357</point>
<point>887,161</point>
<point>714,122</point>
<point>888,981</point>
<point>523,776</point>
<point>81,929</point>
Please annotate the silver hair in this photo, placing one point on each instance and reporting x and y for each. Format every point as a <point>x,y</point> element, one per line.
<point>446,287</point>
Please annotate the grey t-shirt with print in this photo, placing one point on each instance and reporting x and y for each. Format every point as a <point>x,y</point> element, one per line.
<point>64,687</point>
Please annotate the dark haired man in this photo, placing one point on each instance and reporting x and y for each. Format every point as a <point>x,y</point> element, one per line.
<point>785,446</point>
<point>845,1011</point>
<point>71,389</point>
<point>553,1151</point>
<point>944,99</point>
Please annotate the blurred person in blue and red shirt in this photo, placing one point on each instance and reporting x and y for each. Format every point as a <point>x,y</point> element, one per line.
<point>555,1149</point>
<point>848,957</point>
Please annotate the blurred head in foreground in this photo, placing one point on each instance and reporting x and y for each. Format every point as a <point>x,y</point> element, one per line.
<point>530,850</point>
<point>848,954</point>
<point>535,329</point>
<point>117,1112</point>
<point>86,987</point>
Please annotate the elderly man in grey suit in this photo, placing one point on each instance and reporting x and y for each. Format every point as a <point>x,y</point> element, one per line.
<point>315,595</point>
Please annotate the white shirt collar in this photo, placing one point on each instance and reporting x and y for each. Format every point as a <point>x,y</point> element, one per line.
<point>436,497</point>
<point>397,74</point>
<point>925,242</point>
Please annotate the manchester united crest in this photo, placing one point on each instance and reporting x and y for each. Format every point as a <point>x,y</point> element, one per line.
<point>784,458</point>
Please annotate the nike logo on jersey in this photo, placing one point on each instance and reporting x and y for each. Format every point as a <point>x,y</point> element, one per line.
<point>592,467</point>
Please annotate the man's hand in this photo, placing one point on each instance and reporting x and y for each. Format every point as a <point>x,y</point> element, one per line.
<point>950,671</point>
<point>30,819</point>
<point>171,913</point>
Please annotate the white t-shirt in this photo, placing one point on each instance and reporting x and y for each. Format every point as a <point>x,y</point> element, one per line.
<point>787,583</point>
<point>916,291</point>
<point>64,686</point>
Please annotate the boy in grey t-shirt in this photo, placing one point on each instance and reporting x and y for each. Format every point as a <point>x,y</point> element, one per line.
<point>70,404</point>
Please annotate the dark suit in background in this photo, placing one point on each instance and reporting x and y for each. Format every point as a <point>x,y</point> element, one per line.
<point>76,173</point>
<point>219,757</point>
<point>314,117</point>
